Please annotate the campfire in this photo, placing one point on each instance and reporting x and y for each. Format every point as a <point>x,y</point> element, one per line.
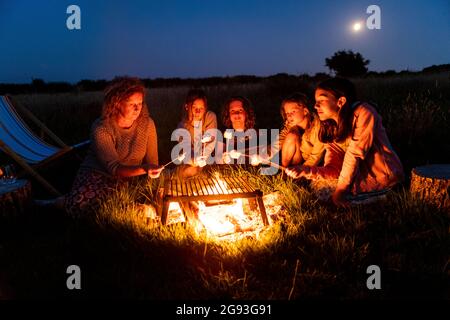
<point>221,206</point>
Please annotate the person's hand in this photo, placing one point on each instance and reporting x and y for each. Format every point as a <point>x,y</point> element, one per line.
<point>154,172</point>
<point>295,172</point>
<point>298,171</point>
<point>339,198</point>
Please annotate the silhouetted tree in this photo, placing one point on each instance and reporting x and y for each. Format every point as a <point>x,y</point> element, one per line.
<point>347,63</point>
<point>438,68</point>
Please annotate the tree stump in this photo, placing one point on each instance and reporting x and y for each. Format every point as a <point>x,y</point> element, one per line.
<point>432,183</point>
<point>15,198</point>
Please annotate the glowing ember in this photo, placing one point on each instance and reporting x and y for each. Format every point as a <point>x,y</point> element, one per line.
<point>221,219</point>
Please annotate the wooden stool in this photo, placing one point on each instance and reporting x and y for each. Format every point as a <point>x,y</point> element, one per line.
<point>432,183</point>
<point>15,198</point>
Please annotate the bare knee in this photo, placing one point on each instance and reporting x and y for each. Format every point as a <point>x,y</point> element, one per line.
<point>291,150</point>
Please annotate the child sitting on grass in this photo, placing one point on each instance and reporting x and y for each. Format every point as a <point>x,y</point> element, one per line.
<point>358,155</point>
<point>201,124</point>
<point>238,117</point>
<point>298,141</point>
<point>299,138</point>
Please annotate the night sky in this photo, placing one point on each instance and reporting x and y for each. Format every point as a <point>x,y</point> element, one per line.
<point>204,38</point>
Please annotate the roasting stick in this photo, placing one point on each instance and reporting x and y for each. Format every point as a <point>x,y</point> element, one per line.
<point>272,164</point>
<point>179,158</point>
<point>236,154</point>
<point>205,140</point>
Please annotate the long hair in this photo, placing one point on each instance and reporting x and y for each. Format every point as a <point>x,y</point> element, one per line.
<point>192,95</point>
<point>117,92</point>
<point>248,108</point>
<point>330,130</point>
<point>299,98</point>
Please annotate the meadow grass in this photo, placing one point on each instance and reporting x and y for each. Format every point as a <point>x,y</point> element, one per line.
<point>314,251</point>
<point>415,110</point>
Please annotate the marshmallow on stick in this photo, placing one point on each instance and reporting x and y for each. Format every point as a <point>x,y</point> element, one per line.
<point>207,138</point>
<point>179,158</point>
<point>235,154</point>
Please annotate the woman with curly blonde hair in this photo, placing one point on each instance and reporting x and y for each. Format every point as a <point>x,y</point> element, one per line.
<point>123,145</point>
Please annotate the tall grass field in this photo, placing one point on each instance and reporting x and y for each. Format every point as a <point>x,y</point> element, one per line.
<point>313,251</point>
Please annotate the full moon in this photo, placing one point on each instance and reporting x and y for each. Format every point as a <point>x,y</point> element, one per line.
<point>356,26</point>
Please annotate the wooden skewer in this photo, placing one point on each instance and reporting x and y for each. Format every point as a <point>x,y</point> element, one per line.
<point>168,163</point>
<point>205,140</point>
<point>180,157</point>
<point>272,164</point>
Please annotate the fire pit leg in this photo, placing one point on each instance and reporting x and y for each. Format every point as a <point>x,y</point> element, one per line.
<point>262,210</point>
<point>189,215</point>
<point>165,210</point>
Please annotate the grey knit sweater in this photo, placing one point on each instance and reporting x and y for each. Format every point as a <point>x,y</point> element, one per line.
<point>112,146</point>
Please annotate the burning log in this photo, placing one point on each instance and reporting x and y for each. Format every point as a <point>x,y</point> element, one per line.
<point>432,183</point>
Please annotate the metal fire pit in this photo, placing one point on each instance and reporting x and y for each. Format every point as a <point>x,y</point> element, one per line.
<point>208,189</point>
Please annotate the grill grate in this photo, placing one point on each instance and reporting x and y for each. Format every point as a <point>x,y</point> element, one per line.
<point>206,189</point>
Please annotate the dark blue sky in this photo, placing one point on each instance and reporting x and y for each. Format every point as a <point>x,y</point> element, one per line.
<point>175,38</point>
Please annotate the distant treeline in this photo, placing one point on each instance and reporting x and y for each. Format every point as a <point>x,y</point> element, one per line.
<point>40,86</point>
